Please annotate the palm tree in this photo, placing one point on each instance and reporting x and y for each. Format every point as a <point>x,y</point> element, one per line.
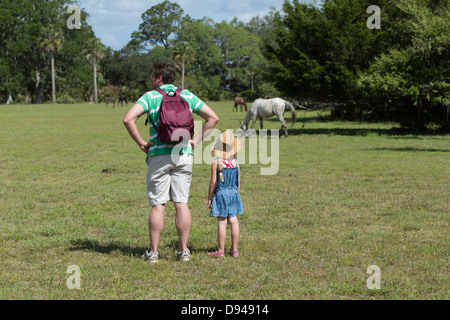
<point>52,41</point>
<point>252,77</point>
<point>184,53</point>
<point>94,52</point>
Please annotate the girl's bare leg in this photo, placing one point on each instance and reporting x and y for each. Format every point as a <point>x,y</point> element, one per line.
<point>234,233</point>
<point>222,233</point>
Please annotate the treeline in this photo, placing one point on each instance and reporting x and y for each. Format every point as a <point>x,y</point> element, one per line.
<point>318,55</point>
<point>399,72</point>
<point>35,37</point>
<point>215,60</point>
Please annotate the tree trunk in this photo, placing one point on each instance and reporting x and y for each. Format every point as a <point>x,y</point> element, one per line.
<point>95,81</point>
<point>52,58</point>
<point>182,76</point>
<point>420,119</point>
<point>38,87</point>
<point>252,76</point>
<point>39,95</point>
<point>9,99</point>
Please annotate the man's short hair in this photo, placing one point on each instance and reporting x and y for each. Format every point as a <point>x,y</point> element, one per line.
<point>166,70</point>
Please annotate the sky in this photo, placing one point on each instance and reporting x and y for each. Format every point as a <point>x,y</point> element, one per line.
<point>113,21</point>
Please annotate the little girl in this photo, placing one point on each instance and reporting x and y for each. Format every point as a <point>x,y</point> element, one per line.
<point>224,198</point>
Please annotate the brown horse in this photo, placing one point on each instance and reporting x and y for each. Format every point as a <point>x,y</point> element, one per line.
<point>239,101</point>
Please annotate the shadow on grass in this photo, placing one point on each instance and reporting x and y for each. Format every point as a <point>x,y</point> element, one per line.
<point>408,149</point>
<point>108,248</point>
<point>338,131</point>
<point>95,246</point>
<point>300,119</point>
<point>350,131</point>
<point>174,244</point>
<point>301,127</point>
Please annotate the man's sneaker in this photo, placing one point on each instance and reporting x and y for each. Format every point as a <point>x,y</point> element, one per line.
<point>183,255</point>
<point>152,257</point>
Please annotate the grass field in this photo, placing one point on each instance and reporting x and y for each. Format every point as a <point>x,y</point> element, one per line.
<point>347,196</point>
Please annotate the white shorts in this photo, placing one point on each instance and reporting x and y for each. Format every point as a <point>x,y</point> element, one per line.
<point>169,179</point>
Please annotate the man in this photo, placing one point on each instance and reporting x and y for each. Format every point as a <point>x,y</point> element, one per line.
<point>168,177</point>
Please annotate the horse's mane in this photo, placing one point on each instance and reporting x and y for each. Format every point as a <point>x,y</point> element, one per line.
<point>248,117</point>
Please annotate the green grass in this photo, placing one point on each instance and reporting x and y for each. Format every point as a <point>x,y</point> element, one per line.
<point>347,196</point>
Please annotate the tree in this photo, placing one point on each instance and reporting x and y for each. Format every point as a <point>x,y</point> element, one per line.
<point>184,53</point>
<point>52,41</point>
<point>239,50</point>
<point>318,51</point>
<point>204,73</point>
<point>295,58</point>
<point>211,57</point>
<point>132,68</point>
<point>14,48</point>
<point>94,52</point>
<point>24,61</point>
<point>414,79</point>
<point>161,24</point>
<point>75,80</point>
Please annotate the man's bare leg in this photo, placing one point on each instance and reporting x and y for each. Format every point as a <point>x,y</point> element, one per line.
<point>183,224</point>
<point>156,225</point>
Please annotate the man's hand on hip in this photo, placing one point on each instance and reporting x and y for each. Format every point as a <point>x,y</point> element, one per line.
<point>146,146</point>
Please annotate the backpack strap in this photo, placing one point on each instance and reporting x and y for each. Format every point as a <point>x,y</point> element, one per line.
<point>148,118</point>
<point>162,92</point>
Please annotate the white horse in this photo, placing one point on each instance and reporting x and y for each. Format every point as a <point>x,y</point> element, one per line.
<point>266,108</point>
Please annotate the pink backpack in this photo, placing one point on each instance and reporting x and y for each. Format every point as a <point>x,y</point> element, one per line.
<point>175,118</point>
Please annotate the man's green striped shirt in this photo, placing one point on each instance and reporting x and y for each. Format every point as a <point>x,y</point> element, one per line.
<point>151,102</point>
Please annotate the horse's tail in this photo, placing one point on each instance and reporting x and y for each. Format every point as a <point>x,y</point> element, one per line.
<point>293,112</point>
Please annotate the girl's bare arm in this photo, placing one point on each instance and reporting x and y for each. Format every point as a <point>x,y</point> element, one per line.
<point>212,184</point>
<point>239,181</point>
